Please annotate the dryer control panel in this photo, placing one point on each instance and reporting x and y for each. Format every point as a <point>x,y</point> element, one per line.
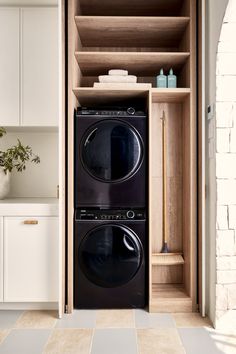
<point>109,214</point>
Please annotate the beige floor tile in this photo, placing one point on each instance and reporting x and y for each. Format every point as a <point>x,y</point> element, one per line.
<point>3,334</point>
<point>115,319</point>
<point>159,341</point>
<point>191,320</point>
<point>37,319</point>
<point>69,341</point>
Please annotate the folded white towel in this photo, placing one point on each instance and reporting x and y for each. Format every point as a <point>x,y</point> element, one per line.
<point>119,72</point>
<point>121,86</point>
<point>121,79</point>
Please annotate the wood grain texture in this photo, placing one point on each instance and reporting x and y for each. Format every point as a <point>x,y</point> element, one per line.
<point>169,95</point>
<point>165,274</point>
<point>174,176</point>
<point>137,63</point>
<point>74,77</point>
<point>92,96</point>
<point>118,31</point>
<point>133,7</point>
<point>170,298</point>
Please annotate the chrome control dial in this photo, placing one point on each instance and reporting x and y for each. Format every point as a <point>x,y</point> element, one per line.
<point>130,214</point>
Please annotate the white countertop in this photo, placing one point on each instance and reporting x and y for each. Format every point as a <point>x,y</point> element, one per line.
<point>29,207</point>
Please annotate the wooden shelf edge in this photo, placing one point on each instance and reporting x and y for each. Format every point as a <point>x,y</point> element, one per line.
<point>167,95</point>
<point>128,53</point>
<point>134,18</point>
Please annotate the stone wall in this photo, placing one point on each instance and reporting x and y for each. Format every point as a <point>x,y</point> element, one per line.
<point>226,172</point>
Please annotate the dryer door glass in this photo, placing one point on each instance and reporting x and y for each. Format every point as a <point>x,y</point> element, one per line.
<point>110,255</point>
<point>111,151</point>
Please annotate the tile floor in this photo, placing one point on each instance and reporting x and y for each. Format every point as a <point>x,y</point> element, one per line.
<point>110,332</point>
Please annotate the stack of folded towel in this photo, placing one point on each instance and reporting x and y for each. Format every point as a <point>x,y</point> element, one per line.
<point>120,79</point>
<point>117,76</point>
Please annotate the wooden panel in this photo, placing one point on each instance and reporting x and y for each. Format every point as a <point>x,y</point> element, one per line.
<point>62,162</point>
<point>133,7</point>
<point>140,64</point>
<point>170,298</point>
<point>169,95</point>
<point>167,274</point>
<point>193,155</point>
<point>131,31</point>
<point>39,67</point>
<point>174,176</point>
<point>201,158</point>
<point>74,77</point>
<point>187,235</point>
<point>9,64</point>
<point>92,96</point>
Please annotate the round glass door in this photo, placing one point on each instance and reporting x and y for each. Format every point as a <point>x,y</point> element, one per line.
<point>111,151</point>
<point>110,255</point>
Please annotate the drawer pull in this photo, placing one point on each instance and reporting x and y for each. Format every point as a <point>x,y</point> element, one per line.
<point>31,222</point>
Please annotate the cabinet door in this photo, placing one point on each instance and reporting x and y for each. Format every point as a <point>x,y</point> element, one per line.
<point>9,66</point>
<point>1,259</point>
<point>40,55</point>
<point>30,259</point>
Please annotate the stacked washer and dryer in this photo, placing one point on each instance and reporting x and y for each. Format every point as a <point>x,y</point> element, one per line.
<point>110,237</point>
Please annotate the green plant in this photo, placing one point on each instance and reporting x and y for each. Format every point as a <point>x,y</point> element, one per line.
<point>16,156</point>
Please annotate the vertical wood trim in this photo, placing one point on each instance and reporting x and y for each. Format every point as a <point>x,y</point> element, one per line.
<point>70,168</point>
<point>62,158</point>
<point>201,157</point>
<point>193,147</point>
<point>73,79</point>
<point>150,225</point>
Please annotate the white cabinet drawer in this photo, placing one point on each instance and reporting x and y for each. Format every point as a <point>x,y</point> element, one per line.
<point>30,259</point>
<point>1,259</point>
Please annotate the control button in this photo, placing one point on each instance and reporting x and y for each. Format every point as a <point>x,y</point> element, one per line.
<point>131,110</point>
<point>130,214</point>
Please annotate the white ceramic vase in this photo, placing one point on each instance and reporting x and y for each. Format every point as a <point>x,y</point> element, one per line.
<point>4,183</point>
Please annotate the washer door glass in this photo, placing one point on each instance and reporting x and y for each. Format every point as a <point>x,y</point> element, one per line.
<point>111,151</point>
<point>110,255</point>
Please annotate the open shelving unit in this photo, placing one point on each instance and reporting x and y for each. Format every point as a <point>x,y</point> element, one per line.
<point>143,36</point>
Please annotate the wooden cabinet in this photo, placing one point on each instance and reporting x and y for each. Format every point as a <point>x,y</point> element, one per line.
<point>144,39</point>
<point>9,64</point>
<point>39,85</point>
<point>30,259</point>
<point>1,259</point>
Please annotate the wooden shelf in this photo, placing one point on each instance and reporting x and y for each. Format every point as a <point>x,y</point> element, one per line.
<point>139,63</point>
<point>170,259</point>
<point>131,7</point>
<point>170,298</point>
<point>89,96</point>
<point>116,31</point>
<point>169,95</point>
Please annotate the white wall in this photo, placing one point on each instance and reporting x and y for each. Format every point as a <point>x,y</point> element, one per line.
<point>28,2</point>
<point>37,180</point>
<point>215,10</point>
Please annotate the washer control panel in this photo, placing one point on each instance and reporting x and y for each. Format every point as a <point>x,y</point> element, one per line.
<point>107,214</point>
<point>110,112</point>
